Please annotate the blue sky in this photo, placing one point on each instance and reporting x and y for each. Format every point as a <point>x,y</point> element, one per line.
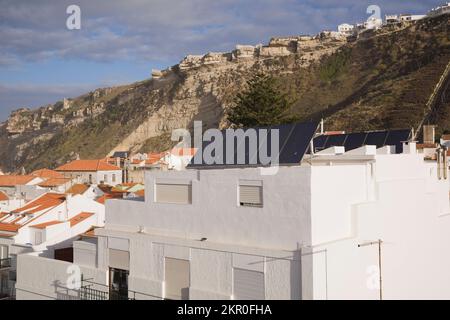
<point>119,42</point>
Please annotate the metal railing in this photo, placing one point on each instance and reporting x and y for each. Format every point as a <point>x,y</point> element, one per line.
<point>89,292</point>
<point>5,263</point>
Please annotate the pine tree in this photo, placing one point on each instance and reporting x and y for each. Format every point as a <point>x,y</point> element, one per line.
<point>261,103</point>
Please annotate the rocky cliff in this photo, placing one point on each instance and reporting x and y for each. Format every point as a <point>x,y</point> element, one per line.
<point>379,81</point>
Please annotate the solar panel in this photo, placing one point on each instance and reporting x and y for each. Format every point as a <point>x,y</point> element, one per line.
<point>336,140</point>
<point>319,143</point>
<point>396,137</point>
<point>294,140</point>
<point>376,138</point>
<point>355,140</point>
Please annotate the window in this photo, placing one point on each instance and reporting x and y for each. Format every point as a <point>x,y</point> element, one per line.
<point>114,177</point>
<point>90,178</point>
<point>250,195</point>
<point>248,285</point>
<point>105,178</point>
<point>176,279</point>
<point>173,193</point>
<point>119,259</point>
<point>38,237</point>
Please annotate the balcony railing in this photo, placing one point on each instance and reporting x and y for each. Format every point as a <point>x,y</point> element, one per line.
<point>5,263</point>
<point>90,291</point>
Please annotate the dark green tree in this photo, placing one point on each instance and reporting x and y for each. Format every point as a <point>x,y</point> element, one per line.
<point>261,103</point>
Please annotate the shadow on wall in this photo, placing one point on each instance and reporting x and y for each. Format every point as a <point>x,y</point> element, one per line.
<point>63,293</point>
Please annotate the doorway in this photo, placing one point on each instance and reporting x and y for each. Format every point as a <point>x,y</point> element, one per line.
<point>118,284</point>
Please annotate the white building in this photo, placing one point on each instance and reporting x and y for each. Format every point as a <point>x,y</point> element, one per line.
<point>443,9</point>
<point>395,18</point>
<point>373,23</point>
<point>43,225</point>
<point>91,172</point>
<point>346,29</point>
<point>311,231</point>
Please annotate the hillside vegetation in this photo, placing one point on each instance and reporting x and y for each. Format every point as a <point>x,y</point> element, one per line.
<point>383,80</point>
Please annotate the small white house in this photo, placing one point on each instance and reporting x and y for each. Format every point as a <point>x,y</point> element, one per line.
<point>49,222</point>
<point>346,29</point>
<point>443,9</point>
<point>373,23</point>
<point>91,172</point>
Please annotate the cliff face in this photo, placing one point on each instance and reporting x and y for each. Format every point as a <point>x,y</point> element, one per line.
<point>356,85</point>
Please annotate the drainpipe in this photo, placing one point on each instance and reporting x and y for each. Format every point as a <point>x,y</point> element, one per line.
<point>445,163</point>
<point>438,160</point>
<point>380,279</point>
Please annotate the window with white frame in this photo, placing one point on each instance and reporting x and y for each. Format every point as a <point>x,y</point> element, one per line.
<point>251,194</point>
<point>173,193</point>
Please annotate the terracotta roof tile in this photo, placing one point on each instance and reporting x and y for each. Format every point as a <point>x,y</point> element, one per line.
<point>87,165</point>
<point>47,173</point>
<point>46,201</point>
<point>78,188</point>
<point>140,193</point>
<point>3,196</point>
<point>54,182</point>
<point>107,196</point>
<point>45,224</point>
<point>9,227</point>
<point>80,217</point>
<point>183,151</point>
<point>12,180</point>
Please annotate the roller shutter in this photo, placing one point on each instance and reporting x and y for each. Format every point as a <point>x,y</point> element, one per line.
<point>250,195</point>
<point>248,285</point>
<point>177,279</point>
<point>119,259</point>
<point>173,193</point>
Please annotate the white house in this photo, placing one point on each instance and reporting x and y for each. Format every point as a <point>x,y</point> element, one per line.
<point>43,225</point>
<point>8,203</point>
<point>178,158</point>
<point>14,185</point>
<point>346,29</point>
<point>373,23</point>
<point>318,229</point>
<point>443,9</point>
<point>91,172</point>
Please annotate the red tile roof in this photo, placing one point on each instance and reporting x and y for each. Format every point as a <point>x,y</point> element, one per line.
<point>47,173</point>
<point>44,202</point>
<point>78,188</point>
<point>45,224</point>
<point>87,165</point>
<point>107,196</point>
<point>54,182</point>
<point>9,227</point>
<point>11,180</point>
<point>80,218</point>
<point>3,196</point>
<point>183,151</point>
<point>140,193</point>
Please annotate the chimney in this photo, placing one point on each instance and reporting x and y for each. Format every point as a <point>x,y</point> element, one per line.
<point>428,133</point>
<point>409,147</point>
